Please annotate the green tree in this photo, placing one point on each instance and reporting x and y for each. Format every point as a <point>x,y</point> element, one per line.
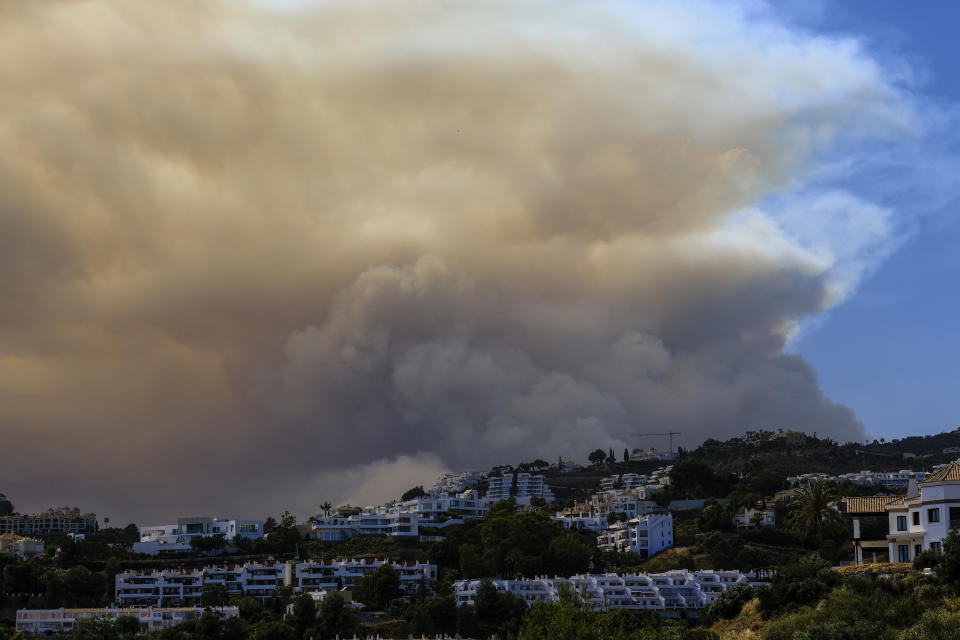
<point>379,588</point>
<point>6,507</point>
<point>811,510</point>
<point>949,568</point>
<point>597,456</point>
<point>128,626</point>
<point>729,603</point>
<point>567,554</point>
<point>214,595</point>
<point>626,455</point>
<point>415,492</point>
<point>799,583</point>
<point>334,617</point>
<point>273,630</point>
<point>304,612</point>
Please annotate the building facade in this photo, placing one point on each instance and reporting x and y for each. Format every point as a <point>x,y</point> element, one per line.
<point>64,520</point>
<point>647,535</point>
<point>922,519</point>
<point>333,575</point>
<point>159,588</point>
<point>173,538</point>
<point>53,621</point>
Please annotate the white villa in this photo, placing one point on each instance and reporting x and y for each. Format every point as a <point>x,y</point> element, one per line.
<point>176,537</point>
<point>922,519</point>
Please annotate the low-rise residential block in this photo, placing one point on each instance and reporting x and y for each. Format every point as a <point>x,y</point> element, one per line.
<point>61,521</point>
<point>53,621</point>
<point>333,575</point>
<point>671,594</point>
<point>173,538</point>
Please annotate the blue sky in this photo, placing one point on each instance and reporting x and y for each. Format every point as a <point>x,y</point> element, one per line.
<point>890,352</point>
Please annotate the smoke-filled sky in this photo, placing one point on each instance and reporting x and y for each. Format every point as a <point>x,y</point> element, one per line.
<point>255,258</point>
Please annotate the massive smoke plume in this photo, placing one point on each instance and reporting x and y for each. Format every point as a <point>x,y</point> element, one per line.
<point>254,258</point>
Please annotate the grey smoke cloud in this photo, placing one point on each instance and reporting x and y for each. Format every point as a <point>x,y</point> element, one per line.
<point>252,255</point>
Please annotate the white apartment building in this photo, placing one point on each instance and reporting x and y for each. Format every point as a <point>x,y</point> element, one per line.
<point>403,518</point>
<point>522,486</point>
<point>159,588</point>
<point>184,587</point>
<point>671,594</point>
<point>647,535</point>
<point>465,505</point>
<point>922,519</point>
<point>171,538</point>
<point>532,486</point>
<point>388,520</point>
<point>50,621</point>
<point>333,575</point>
<point>628,482</point>
<point>499,488</point>
<point>64,520</point>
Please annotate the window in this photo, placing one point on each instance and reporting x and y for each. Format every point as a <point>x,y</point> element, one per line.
<point>937,547</point>
<point>903,551</point>
<point>917,549</point>
<point>933,515</point>
<point>901,523</point>
<point>916,518</point>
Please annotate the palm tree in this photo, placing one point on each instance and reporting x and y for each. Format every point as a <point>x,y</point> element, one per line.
<point>325,507</point>
<point>811,509</point>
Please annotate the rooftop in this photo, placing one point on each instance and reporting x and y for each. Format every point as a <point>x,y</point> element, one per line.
<point>950,473</point>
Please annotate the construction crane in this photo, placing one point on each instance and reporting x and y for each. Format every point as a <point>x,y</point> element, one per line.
<point>669,435</point>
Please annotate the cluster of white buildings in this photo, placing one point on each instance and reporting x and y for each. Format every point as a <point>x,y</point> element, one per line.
<point>630,493</point>
<point>671,594</point>
<point>887,479</point>
<point>639,455</point>
<point>453,499</point>
<point>170,538</point>
<point>64,520</point>
<point>50,621</point>
<point>184,587</point>
<point>19,547</point>
<point>642,486</point>
<point>457,482</point>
